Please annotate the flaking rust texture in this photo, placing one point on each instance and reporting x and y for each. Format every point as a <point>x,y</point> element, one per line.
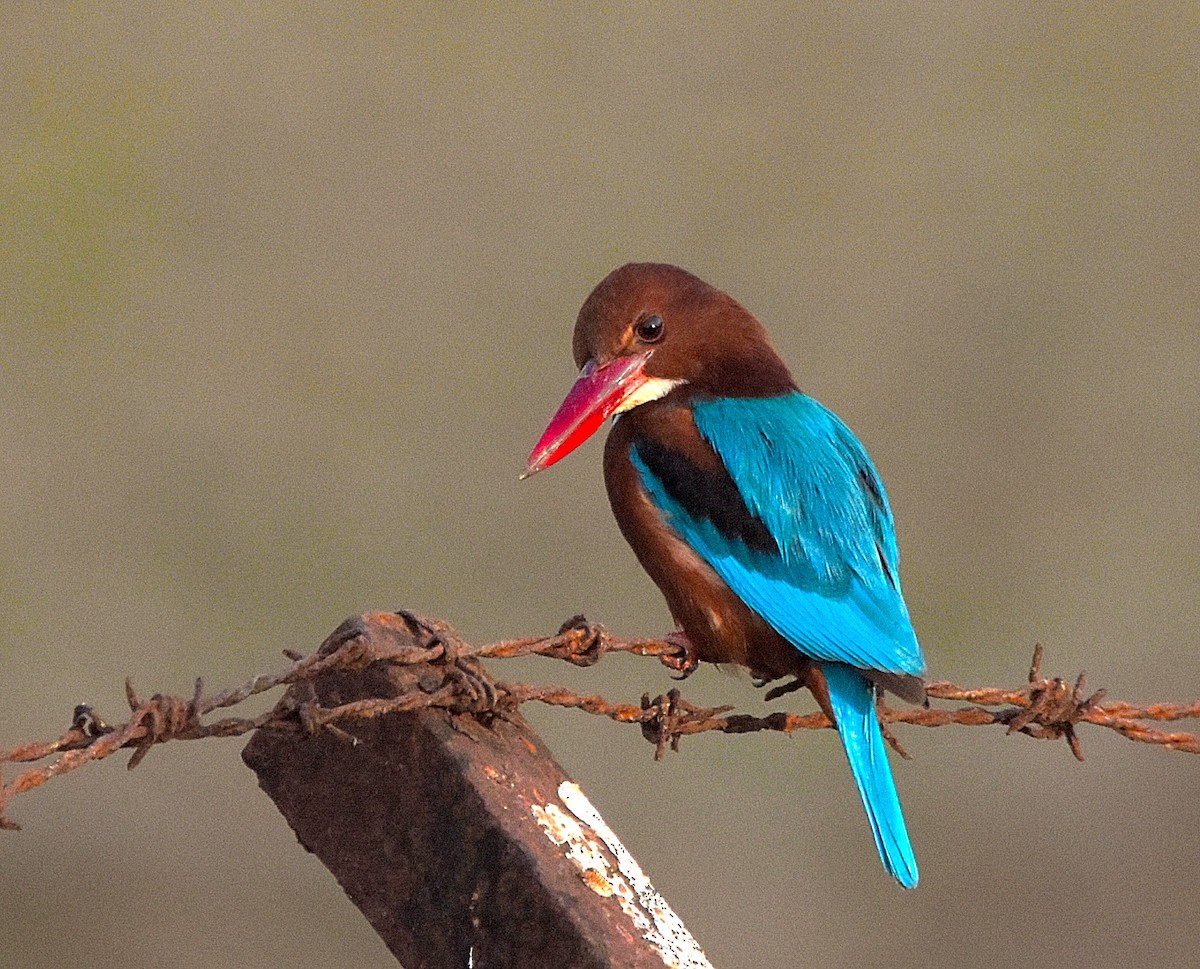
<point>428,822</point>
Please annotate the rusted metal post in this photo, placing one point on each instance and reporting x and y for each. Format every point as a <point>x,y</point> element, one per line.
<point>460,840</point>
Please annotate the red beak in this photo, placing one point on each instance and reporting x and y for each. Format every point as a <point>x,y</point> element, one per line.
<point>597,393</point>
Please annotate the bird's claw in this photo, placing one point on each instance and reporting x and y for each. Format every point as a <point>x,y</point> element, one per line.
<point>685,660</point>
<point>798,683</point>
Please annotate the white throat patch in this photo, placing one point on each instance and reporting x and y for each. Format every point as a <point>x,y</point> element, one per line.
<point>652,389</point>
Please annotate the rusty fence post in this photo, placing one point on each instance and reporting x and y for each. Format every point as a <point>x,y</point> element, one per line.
<point>462,842</point>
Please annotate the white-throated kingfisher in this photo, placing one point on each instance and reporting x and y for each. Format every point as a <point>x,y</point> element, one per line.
<point>754,509</point>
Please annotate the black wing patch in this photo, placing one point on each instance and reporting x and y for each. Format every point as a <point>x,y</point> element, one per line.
<point>706,494</point>
<point>870,484</point>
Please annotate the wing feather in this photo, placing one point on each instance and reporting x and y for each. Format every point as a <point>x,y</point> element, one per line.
<point>831,587</point>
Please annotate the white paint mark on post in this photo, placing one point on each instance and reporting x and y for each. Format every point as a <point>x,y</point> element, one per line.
<point>592,846</point>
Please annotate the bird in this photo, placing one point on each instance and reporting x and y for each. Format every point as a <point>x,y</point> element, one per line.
<point>752,507</point>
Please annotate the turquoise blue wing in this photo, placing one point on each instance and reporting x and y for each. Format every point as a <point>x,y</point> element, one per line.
<point>831,585</point>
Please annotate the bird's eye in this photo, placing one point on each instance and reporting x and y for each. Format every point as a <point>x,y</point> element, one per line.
<point>649,330</point>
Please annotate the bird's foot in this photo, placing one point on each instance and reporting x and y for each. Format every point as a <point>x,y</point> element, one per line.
<point>683,662</point>
<point>798,683</point>
<point>893,742</point>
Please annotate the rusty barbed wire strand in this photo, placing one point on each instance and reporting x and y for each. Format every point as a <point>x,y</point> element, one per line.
<point>444,671</point>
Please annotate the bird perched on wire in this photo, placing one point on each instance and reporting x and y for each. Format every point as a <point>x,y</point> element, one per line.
<point>754,509</point>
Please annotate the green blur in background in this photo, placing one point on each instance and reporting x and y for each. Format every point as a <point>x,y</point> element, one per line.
<point>286,295</point>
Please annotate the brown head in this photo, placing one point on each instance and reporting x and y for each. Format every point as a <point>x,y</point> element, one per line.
<point>647,329</point>
<point>697,333</point>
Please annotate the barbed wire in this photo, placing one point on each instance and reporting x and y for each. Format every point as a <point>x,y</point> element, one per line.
<point>441,670</point>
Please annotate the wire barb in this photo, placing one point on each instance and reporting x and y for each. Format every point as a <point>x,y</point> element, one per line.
<point>441,670</point>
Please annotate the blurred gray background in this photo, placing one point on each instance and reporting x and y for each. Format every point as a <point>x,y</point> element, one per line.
<point>286,297</point>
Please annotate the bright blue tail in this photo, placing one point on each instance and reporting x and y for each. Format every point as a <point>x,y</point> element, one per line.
<point>852,697</point>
